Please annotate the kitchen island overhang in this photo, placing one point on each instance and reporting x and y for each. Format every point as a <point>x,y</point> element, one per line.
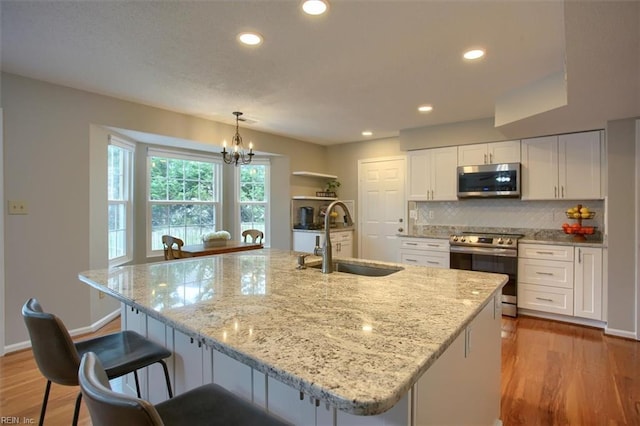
<point>358,343</point>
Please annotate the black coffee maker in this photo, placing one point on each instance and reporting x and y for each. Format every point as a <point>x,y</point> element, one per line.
<point>306,217</point>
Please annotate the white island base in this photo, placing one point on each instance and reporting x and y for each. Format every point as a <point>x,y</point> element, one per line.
<point>462,387</point>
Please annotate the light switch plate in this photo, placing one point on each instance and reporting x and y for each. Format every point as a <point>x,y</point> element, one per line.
<point>17,207</point>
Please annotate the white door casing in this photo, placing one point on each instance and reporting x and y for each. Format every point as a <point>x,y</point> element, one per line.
<point>383,210</point>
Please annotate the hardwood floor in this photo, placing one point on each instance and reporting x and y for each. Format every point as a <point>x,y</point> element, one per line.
<point>552,374</point>
<point>559,374</point>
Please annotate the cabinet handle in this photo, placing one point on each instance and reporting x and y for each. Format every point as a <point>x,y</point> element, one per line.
<point>411,244</point>
<point>562,188</point>
<point>432,197</point>
<point>555,192</point>
<point>432,262</point>
<point>544,273</point>
<point>485,159</point>
<point>544,252</point>
<point>579,255</point>
<point>410,260</point>
<point>433,245</point>
<point>490,158</point>
<point>543,299</point>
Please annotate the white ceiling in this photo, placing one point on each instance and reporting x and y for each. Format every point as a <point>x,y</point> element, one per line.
<point>365,65</point>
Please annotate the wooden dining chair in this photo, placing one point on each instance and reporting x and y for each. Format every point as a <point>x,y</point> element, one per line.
<point>256,235</point>
<point>170,252</point>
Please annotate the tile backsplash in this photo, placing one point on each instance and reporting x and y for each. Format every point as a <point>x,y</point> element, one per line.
<point>501,213</point>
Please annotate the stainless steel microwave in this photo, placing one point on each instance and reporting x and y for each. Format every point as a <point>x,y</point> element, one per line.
<point>489,180</point>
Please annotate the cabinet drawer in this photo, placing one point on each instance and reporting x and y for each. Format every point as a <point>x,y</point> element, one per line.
<point>548,299</point>
<point>554,274</point>
<point>545,252</point>
<point>431,244</point>
<point>341,237</point>
<point>435,259</point>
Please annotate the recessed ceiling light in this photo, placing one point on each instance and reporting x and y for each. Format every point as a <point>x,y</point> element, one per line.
<point>367,133</point>
<point>250,39</point>
<point>315,7</point>
<point>474,54</point>
<point>425,108</point>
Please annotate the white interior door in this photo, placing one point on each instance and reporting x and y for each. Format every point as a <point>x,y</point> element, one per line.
<point>383,210</point>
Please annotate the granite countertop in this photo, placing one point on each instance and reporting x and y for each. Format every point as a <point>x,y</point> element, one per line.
<point>534,236</point>
<point>356,342</point>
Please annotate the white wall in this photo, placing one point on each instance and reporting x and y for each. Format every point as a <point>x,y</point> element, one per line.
<point>621,211</point>
<point>2,210</point>
<point>54,153</point>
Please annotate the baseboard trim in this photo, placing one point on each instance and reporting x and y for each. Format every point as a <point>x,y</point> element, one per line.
<point>563,318</point>
<point>620,333</point>
<point>75,332</point>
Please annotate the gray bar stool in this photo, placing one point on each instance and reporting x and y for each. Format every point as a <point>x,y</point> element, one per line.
<point>209,405</point>
<point>58,357</point>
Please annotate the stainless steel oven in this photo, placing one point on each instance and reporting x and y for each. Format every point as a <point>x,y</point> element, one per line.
<point>489,253</point>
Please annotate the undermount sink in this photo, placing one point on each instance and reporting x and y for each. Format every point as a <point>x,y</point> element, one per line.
<point>360,269</point>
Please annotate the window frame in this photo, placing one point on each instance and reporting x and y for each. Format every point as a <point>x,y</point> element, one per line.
<point>178,155</point>
<point>267,191</point>
<point>129,149</point>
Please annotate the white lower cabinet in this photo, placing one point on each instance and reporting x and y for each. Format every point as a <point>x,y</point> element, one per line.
<point>463,386</point>
<point>466,375</point>
<point>432,252</point>
<point>232,375</point>
<point>545,298</point>
<point>188,363</point>
<point>560,280</point>
<point>341,242</point>
<point>287,403</point>
<point>588,283</point>
<point>545,278</point>
<point>157,332</point>
<point>134,320</point>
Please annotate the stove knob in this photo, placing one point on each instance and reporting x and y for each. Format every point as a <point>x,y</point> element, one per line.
<point>509,241</point>
<point>500,241</point>
<point>455,238</point>
<point>463,239</point>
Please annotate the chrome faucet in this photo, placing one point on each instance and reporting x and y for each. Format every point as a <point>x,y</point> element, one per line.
<point>325,251</point>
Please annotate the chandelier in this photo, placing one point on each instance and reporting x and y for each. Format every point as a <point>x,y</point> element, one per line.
<point>237,155</point>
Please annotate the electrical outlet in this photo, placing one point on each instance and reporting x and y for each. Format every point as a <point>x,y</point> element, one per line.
<point>17,207</point>
<point>431,215</point>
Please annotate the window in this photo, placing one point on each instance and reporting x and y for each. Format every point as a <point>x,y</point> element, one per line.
<point>184,197</point>
<point>120,200</point>
<point>253,196</point>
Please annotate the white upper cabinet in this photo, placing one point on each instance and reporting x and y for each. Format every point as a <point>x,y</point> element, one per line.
<point>579,165</point>
<point>562,167</point>
<point>432,174</point>
<point>489,153</point>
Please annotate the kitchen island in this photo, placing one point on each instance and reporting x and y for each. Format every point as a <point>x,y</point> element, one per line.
<point>419,346</point>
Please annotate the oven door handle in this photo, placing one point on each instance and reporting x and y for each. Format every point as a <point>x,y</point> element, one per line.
<point>501,252</point>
